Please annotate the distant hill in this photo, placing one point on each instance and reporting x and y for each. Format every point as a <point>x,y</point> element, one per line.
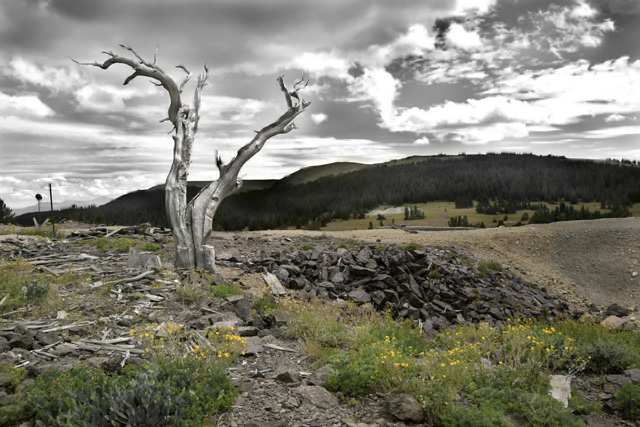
<point>313,173</point>
<point>314,196</point>
<point>46,206</point>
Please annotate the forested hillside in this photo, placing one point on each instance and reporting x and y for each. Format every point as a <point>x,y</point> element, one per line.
<point>508,177</point>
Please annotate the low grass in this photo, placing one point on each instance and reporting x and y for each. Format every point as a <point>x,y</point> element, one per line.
<point>501,373</point>
<point>150,247</point>
<point>41,233</point>
<point>201,282</point>
<point>22,286</point>
<point>485,267</point>
<point>119,244</point>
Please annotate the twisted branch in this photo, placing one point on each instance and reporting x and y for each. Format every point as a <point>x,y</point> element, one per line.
<point>145,69</point>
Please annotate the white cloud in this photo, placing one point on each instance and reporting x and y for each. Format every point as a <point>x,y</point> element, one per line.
<point>329,64</point>
<point>10,180</point>
<point>566,29</point>
<point>458,36</point>
<point>583,10</point>
<point>422,141</point>
<point>27,105</point>
<point>416,42</point>
<point>614,118</point>
<point>482,7</point>
<point>54,78</point>
<point>472,112</point>
<point>319,118</point>
<point>578,89</point>
<point>492,133</point>
<point>612,132</point>
<point>101,98</point>
<point>452,72</point>
<point>379,86</point>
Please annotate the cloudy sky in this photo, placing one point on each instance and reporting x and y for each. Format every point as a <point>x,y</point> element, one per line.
<point>388,79</point>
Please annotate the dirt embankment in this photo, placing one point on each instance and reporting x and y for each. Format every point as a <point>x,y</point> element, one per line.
<point>589,262</point>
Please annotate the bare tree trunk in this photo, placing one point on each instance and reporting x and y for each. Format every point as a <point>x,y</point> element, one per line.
<point>191,223</point>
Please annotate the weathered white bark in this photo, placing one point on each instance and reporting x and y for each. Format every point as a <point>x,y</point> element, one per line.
<point>191,224</point>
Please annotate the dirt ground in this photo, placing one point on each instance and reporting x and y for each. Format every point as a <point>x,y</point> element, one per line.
<point>589,262</point>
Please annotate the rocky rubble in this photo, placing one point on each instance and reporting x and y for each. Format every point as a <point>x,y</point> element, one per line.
<point>434,286</point>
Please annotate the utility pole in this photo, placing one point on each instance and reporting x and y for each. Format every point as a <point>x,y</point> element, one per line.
<point>53,223</point>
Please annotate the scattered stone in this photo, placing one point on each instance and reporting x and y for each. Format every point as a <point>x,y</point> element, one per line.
<point>359,295</point>
<point>274,284</point>
<point>404,407</point>
<point>248,331</point>
<point>287,376</point>
<point>254,346</point>
<point>617,310</point>
<point>561,388</point>
<point>317,396</point>
<point>143,260</point>
<point>634,375</point>
<point>321,376</point>
<point>614,321</point>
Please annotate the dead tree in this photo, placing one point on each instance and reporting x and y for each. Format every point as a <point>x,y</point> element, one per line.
<point>191,222</point>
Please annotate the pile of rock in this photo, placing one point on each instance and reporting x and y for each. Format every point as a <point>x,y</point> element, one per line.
<point>435,286</point>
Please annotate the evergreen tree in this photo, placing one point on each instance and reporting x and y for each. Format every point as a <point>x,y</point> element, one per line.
<point>6,214</point>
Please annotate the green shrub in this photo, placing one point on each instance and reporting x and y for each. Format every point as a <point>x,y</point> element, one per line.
<point>607,356</point>
<point>627,394</point>
<point>151,247</point>
<point>484,267</point>
<point>101,243</point>
<point>412,246</point>
<point>34,291</point>
<point>473,416</point>
<point>307,247</point>
<point>224,290</point>
<point>264,304</point>
<point>536,409</point>
<point>122,244</point>
<point>581,406</point>
<point>435,275</point>
<point>168,392</point>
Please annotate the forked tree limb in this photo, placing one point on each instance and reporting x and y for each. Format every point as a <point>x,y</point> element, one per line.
<point>205,204</point>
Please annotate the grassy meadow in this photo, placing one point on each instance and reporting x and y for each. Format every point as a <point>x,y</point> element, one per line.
<point>437,214</point>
